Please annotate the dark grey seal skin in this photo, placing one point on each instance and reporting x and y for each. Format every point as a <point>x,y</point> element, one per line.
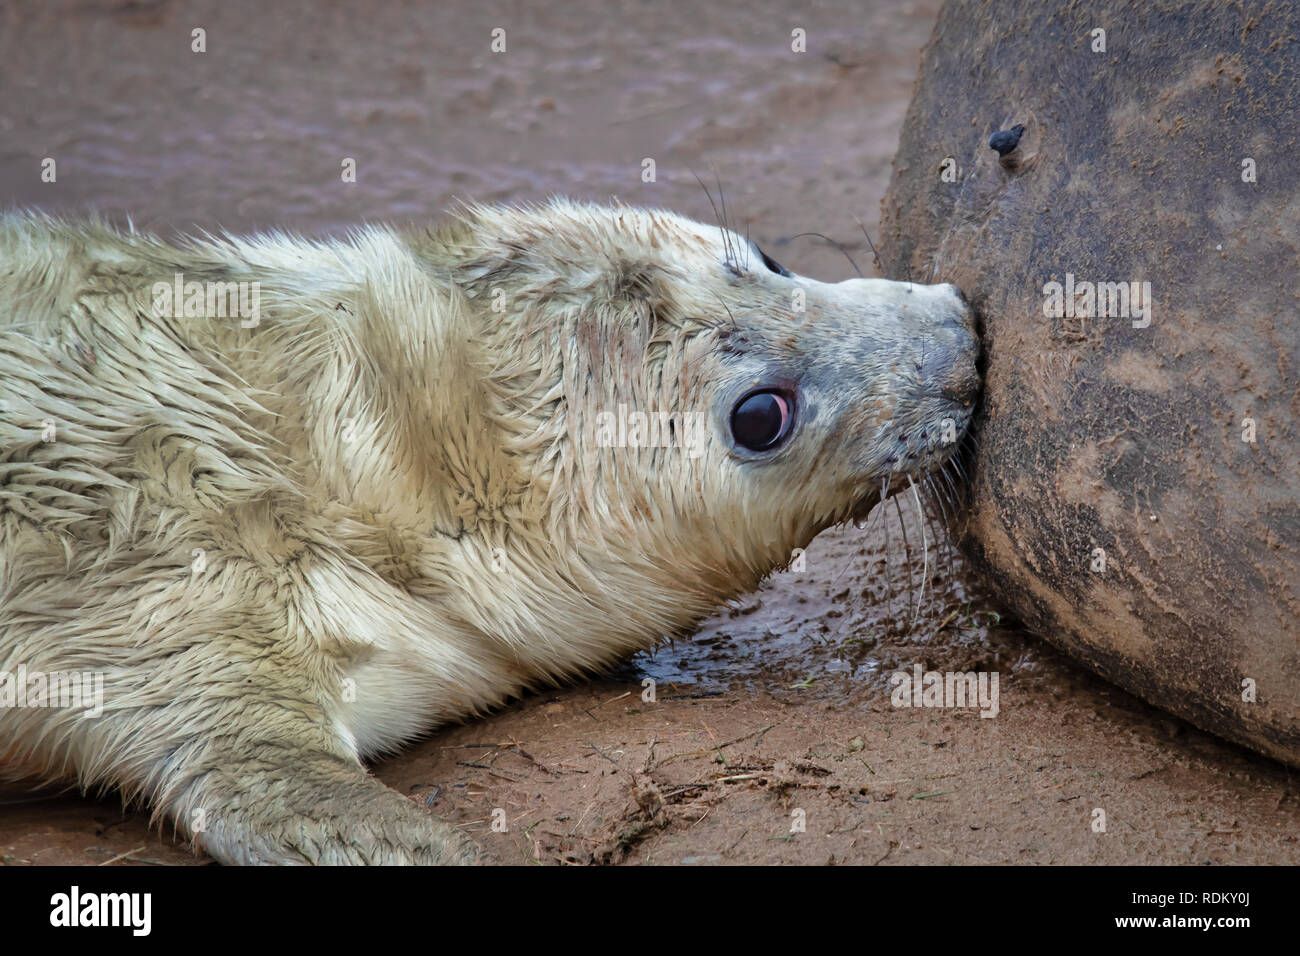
<point>1116,507</point>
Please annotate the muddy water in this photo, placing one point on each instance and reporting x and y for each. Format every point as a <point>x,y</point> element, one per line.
<point>862,604</point>
<point>252,134</point>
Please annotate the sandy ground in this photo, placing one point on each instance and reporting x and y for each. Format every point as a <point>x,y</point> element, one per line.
<point>771,737</point>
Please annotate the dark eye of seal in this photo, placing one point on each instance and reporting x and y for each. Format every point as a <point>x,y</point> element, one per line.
<point>761,420</point>
<point>773,264</point>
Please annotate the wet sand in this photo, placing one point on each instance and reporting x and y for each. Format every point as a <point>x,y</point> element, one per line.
<point>780,703</point>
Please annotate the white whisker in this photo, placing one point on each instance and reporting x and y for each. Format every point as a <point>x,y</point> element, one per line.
<point>925,547</point>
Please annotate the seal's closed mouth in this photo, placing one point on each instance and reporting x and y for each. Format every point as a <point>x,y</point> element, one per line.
<point>934,471</point>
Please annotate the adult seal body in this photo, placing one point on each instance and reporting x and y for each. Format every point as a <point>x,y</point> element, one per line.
<point>1133,254</point>
<point>292,503</point>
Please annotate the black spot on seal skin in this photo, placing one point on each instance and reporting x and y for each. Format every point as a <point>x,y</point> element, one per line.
<point>1005,140</point>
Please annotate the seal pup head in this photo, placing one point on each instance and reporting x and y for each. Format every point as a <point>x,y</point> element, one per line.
<point>683,410</point>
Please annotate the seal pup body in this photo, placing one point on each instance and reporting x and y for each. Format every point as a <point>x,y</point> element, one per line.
<point>378,491</point>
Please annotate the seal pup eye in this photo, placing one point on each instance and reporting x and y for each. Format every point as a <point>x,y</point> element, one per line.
<point>773,264</point>
<point>761,420</point>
